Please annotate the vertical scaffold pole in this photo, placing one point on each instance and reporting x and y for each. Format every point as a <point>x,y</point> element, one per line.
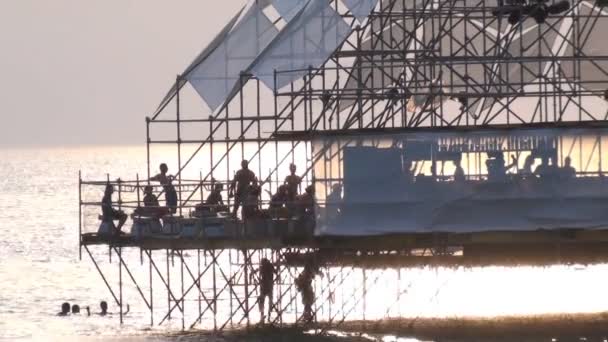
<point>214,261</point>
<point>148,147</point>
<point>179,145</point>
<point>181,259</point>
<point>151,292</point>
<point>120,282</point>
<point>79,215</point>
<point>168,286</point>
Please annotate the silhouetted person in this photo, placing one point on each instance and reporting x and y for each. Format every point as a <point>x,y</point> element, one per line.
<point>306,202</point>
<point>150,200</point>
<point>304,286</point>
<point>544,170</point>
<point>526,171</point>
<point>567,171</point>
<point>215,197</point>
<point>88,311</point>
<point>104,308</point>
<point>109,214</point>
<point>251,205</point>
<point>458,172</point>
<point>293,182</point>
<point>279,198</point>
<point>165,180</point>
<point>496,167</point>
<point>65,309</point>
<point>239,187</point>
<point>75,309</point>
<point>266,272</point>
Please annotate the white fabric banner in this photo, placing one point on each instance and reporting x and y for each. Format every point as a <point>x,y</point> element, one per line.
<point>218,75</point>
<point>308,40</point>
<point>360,8</point>
<point>201,56</point>
<point>288,9</point>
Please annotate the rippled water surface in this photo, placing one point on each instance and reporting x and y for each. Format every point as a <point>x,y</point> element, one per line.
<point>40,269</point>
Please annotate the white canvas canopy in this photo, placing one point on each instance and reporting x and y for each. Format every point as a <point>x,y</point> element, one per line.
<point>307,41</point>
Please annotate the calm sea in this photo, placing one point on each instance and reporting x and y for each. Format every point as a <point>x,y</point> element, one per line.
<point>40,268</point>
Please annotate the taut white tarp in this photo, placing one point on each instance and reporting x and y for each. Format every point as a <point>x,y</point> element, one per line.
<point>217,78</point>
<point>308,40</point>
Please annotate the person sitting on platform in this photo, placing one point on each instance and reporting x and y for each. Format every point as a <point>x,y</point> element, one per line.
<point>213,204</point>
<point>278,201</point>
<point>293,182</point>
<point>544,170</point>
<point>567,171</point>
<point>458,172</point>
<point>109,214</point>
<point>75,309</point>
<point>266,284</point>
<point>151,206</point>
<point>150,200</point>
<point>496,166</point>
<point>304,286</point>
<point>251,205</point>
<point>65,309</point>
<point>306,203</point>
<point>165,180</point>
<point>243,179</point>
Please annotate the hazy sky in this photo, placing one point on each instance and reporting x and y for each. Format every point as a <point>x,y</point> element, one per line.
<point>89,72</point>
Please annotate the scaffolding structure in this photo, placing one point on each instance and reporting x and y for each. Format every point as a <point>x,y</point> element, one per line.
<point>412,65</point>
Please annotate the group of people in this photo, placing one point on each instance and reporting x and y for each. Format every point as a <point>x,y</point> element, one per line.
<point>151,206</point>
<point>66,309</point>
<point>244,188</point>
<point>497,168</point>
<point>268,273</point>
<point>246,191</point>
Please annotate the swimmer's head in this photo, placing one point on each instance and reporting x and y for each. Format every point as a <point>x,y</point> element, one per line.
<point>65,308</point>
<point>104,306</point>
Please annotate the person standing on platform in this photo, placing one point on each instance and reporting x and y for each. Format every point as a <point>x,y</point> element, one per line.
<point>293,182</point>
<point>243,180</point>
<point>458,172</point>
<point>304,286</point>
<point>266,284</point>
<point>109,214</point>
<point>165,180</point>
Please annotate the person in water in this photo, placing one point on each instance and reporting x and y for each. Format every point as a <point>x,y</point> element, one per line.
<point>165,180</point>
<point>75,309</point>
<point>104,308</point>
<point>109,214</point>
<point>240,185</point>
<point>65,309</point>
<point>266,284</point>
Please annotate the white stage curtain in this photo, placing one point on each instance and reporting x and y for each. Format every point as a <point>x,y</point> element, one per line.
<point>308,40</point>
<point>218,76</point>
<point>360,8</point>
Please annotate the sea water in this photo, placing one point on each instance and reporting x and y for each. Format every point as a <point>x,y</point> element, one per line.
<point>40,266</point>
